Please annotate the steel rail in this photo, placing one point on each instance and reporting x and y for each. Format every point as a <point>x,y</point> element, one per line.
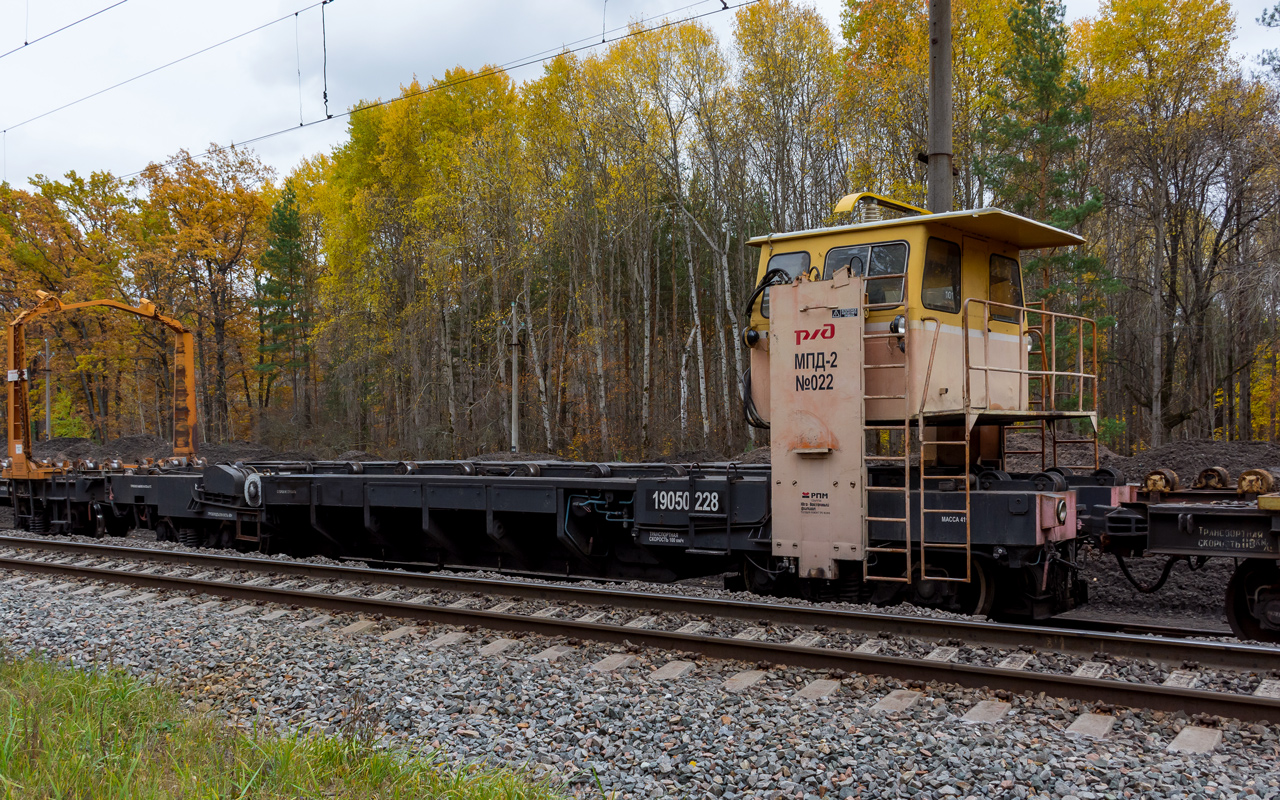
<point>1148,629</point>
<point>1086,643</point>
<point>1119,693</point>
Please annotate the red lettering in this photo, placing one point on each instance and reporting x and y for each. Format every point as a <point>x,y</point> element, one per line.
<point>827,331</point>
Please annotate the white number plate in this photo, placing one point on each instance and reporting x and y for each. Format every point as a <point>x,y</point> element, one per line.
<point>674,500</point>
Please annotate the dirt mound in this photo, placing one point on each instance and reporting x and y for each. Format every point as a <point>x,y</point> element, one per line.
<point>359,455</point>
<point>760,455</point>
<point>691,457</point>
<point>1189,457</point>
<point>130,449</point>
<point>65,447</point>
<point>231,452</point>
<point>138,447</point>
<point>509,456</point>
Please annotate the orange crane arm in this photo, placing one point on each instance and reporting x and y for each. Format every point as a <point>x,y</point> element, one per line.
<point>184,394</point>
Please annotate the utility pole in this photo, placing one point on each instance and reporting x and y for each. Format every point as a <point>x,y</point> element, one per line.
<point>515,382</point>
<point>938,174</point>
<point>48,415</point>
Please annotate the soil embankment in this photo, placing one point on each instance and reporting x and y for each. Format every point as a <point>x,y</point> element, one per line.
<point>1188,457</point>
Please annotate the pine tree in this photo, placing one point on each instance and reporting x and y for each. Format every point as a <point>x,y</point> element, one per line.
<point>1035,169</point>
<point>1271,57</point>
<point>282,310</point>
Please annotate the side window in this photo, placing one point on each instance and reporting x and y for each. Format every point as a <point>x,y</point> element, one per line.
<point>1005,287</point>
<point>793,263</point>
<point>885,273</point>
<point>940,284</point>
<point>840,257</point>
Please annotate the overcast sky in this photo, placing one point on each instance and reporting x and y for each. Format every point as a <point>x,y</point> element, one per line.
<point>251,87</point>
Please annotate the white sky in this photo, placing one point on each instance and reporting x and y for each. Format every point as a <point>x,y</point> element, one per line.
<point>250,87</point>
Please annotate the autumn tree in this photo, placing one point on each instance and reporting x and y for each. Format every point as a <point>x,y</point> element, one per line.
<point>1035,165</point>
<point>211,215</point>
<point>787,86</point>
<point>1187,139</point>
<point>71,237</point>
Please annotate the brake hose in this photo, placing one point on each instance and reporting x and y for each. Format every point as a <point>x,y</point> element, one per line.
<point>1164,576</point>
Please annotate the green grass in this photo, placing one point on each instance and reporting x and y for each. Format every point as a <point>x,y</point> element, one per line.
<point>69,733</point>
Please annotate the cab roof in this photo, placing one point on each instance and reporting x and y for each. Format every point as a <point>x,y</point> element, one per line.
<point>989,223</point>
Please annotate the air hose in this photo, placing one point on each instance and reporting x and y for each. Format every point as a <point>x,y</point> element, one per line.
<point>773,277</point>
<point>1164,575</point>
<point>749,405</point>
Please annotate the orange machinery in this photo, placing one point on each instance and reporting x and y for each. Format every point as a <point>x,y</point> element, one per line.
<point>21,466</point>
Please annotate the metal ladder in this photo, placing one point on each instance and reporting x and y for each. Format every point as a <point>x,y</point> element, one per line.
<point>1091,440</point>
<point>925,510</point>
<point>1036,427</point>
<point>872,428</point>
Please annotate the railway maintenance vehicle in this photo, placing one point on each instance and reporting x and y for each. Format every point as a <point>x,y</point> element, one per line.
<point>931,432</point>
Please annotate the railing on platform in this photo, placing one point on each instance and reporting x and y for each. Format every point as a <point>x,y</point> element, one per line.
<point>1083,358</point>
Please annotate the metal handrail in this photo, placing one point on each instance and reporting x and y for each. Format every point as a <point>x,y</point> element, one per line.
<point>928,374</point>
<point>1048,354</point>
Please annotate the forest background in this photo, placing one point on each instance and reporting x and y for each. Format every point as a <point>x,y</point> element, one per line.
<point>363,301</point>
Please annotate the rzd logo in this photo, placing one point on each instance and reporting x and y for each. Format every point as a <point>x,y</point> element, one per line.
<point>827,331</point>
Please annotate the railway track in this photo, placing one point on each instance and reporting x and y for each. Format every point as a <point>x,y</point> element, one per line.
<point>909,648</point>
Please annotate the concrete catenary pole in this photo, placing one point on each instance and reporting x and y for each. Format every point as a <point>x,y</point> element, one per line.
<point>515,382</point>
<point>939,170</point>
<point>48,414</point>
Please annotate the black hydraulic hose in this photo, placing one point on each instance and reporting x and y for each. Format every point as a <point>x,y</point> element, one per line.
<point>749,409</point>
<point>1164,576</point>
<point>770,279</point>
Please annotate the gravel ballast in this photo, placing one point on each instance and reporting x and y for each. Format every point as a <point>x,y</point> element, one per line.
<point>639,738</point>
<point>1193,599</point>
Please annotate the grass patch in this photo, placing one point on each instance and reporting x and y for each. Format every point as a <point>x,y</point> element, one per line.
<point>69,733</point>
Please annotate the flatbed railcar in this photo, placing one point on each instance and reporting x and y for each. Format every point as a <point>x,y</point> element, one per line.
<point>919,413</point>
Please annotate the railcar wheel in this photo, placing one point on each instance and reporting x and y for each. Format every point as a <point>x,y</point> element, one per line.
<point>165,531</point>
<point>1253,595</point>
<point>1049,482</point>
<point>990,479</point>
<point>978,597</point>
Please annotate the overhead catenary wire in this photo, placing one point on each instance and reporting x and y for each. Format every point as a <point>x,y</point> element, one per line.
<point>573,47</point>
<point>324,69</point>
<point>297,52</point>
<point>28,43</point>
<point>165,66</point>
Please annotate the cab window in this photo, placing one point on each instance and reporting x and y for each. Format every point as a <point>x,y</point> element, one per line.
<point>886,272</point>
<point>1005,287</point>
<point>840,257</point>
<point>793,263</point>
<point>940,284</point>
<point>883,265</point>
